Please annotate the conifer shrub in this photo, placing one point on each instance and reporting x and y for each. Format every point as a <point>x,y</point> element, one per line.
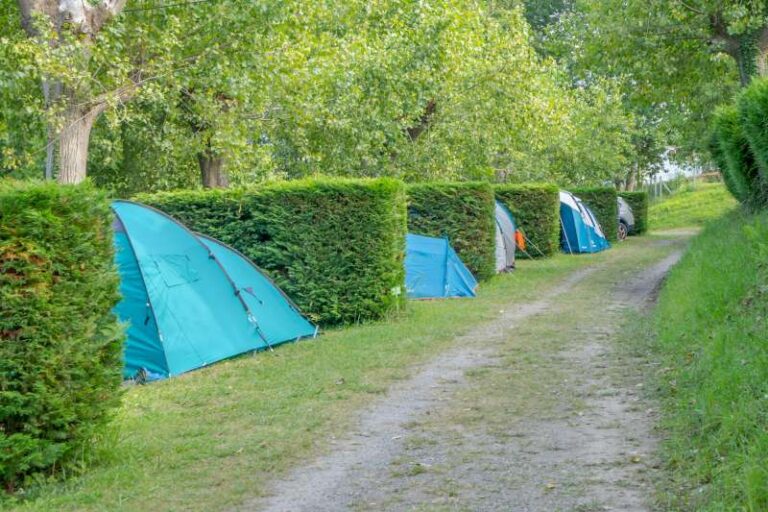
<point>463,212</point>
<point>60,343</point>
<point>536,208</point>
<point>336,247</point>
<point>734,154</point>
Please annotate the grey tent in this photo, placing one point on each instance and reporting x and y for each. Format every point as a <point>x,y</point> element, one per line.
<point>505,239</point>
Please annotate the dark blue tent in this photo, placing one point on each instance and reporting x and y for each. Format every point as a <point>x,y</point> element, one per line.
<point>433,270</point>
<point>580,231</point>
<point>191,301</point>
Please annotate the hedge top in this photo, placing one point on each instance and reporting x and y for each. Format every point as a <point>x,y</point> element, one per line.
<point>542,187</point>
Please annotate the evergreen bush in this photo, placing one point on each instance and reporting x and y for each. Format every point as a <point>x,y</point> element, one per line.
<point>740,169</point>
<point>462,212</point>
<point>336,247</point>
<point>753,108</point>
<point>60,343</point>
<point>536,208</point>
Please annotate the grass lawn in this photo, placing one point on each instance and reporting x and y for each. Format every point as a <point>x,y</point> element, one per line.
<point>209,439</point>
<point>711,338</point>
<point>692,207</point>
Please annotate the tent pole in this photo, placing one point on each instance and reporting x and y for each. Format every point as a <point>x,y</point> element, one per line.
<point>528,240</point>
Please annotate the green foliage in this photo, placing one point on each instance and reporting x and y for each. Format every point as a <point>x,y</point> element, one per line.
<point>753,107</point>
<point>462,212</point>
<point>661,58</point>
<point>22,130</point>
<point>638,201</point>
<point>721,161</point>
<point>60,344</point>
<point>692,206</point>
<point>334,246</point>
<point>536,208</point>
<point>602,202</point>
<point>599,120</point>
<point>733,152</point>
<point>412,90</point>
<point>712,321</point>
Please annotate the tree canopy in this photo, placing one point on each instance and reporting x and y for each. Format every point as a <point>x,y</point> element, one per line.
<point>191,93</point>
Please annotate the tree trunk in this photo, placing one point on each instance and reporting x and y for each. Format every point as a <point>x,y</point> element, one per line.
<point>750,52</point>
<point>762,60</point>
<point>631,183</point>
<point>73,143</point>
<point>50,152</point>
<point>212,170</point>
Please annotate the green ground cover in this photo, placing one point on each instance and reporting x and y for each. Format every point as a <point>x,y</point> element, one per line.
<point>691,207</point>
<point>209,439</point>
<point>710,341</point>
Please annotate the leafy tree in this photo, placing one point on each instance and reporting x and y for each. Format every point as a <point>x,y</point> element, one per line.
<point>64,40</point>
<point>244,91</point>
<point>668,58</point>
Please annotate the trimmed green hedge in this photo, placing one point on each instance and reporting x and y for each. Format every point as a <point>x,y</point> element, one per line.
<point>462,212</point>
<point>60,343</point>
<point>335,247</point>
<point>721,162</point>
<point>602,201</point>
<point>730,148</point>
<point>638,201</point>
<point>536,208</point>
<point>753,108</point>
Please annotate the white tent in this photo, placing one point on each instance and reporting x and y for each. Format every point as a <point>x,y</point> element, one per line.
<point>505,239</point>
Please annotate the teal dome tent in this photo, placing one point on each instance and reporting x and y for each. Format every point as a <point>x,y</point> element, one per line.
<point>191,301</point>
<point>580,231</point>
<point>433,270</point>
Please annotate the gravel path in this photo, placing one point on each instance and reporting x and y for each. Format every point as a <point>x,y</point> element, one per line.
<point>462,434</point>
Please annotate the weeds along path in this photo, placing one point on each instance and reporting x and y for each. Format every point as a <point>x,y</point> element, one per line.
<point>536,410</point>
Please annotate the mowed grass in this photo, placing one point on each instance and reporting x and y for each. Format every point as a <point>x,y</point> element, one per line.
<point>215,437</point>
<point>712,342</point>
<point>691,207</point>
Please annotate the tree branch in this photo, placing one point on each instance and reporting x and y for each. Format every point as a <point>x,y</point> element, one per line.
<point>424,121</point>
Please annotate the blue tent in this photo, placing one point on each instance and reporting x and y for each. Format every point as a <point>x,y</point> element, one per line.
<point>433,270</point>
<point>580,231</point>
<point>192,301</point>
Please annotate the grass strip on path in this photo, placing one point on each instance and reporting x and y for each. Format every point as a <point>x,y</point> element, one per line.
<point>528,427</point>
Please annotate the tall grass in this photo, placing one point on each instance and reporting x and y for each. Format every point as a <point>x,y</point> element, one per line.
<point>691,207</point>
<point>713,341</point>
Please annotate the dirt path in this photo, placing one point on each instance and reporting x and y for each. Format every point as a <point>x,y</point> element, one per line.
<point>536,410</point>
